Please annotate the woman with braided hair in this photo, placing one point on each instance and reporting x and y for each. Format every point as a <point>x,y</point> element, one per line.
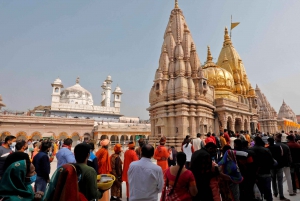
<point>179,182</point>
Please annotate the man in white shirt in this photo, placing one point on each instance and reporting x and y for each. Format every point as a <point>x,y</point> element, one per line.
<point>145,178</point>
<point>197,142</point>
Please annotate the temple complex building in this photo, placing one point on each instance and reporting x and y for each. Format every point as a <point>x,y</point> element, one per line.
<point>287,120</point>
<point>267,114</point>
<point>188,98</point>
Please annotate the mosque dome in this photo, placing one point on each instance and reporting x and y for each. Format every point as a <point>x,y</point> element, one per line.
<point>118,89</point>
<point>57,81</point>
<point>76,94</point>
<point>216,76</point>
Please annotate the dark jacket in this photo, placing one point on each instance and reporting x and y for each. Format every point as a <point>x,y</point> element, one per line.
<point>287,158</point>
<point>295,151</point>
<point>263,160</point>
<point>41,163</point>
<point>277,154</point>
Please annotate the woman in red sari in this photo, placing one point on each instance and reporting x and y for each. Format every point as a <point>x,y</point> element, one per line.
<point>180,184</point>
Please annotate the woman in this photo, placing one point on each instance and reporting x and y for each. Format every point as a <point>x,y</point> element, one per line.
<point>179,182</point>
<point>63,185</point>
<point>188,149</point>
<point>173,156</point>
<point>93,161</point>
<point>116,166</point>
<point>17,179</point>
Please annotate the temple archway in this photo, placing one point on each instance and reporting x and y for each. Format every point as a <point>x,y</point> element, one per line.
<point>238,125</point>
<point>229,123</point>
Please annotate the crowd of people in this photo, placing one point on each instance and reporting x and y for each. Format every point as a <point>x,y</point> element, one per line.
<point>228,167</point>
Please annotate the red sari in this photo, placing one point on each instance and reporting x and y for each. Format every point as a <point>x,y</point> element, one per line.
<point>181,191</point>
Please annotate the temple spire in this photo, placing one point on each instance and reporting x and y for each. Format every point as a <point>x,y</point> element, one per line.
<point>176,4</point>
<point>209,57</point>
<point>227,40</point>
<point>77,80</point>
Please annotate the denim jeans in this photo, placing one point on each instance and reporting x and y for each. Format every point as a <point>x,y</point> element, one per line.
<point>264,186</point>
<point>40,184</point>
<point>277,181</point>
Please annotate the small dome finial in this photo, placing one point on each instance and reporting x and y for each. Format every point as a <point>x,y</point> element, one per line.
<point>176,4</point>
<point>227,39</point>
<point>209,57</point>
<point>77,80</point>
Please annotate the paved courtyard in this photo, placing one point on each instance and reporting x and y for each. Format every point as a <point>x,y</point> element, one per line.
<point>292,198</point>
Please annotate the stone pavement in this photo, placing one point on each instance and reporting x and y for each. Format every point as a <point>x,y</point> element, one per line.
<point>292,198</point>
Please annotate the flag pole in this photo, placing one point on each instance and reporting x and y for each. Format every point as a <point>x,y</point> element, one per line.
<point>230,26</point>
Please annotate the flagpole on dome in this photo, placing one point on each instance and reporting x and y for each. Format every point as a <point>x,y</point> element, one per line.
<point>232,25</point>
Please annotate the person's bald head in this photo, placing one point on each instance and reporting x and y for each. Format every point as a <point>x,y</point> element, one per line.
<point>147,151</point>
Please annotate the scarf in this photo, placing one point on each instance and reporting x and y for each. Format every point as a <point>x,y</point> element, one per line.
<point>67,146</point>
<point>12,184</point>
<point>230,166</point>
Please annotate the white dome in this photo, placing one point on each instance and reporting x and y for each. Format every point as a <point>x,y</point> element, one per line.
<point>76,95</point>
<point>118,89</point>
<point>57,81</point>
<point>108,77</point>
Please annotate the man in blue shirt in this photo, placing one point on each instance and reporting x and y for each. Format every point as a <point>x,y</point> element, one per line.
<point>41,163</point>
<point>64,155</point>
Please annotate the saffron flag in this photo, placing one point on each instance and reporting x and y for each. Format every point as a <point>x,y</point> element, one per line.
<point>234,24</point>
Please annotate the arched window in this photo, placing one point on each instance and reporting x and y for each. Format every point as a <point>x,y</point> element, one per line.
<point>204,84</point>
<point>118,96</point>
<point>56,89</point>
<point>157,86</point>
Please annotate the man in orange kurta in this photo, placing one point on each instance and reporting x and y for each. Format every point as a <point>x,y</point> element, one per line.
<point>161,154</point>
<point>129,156</point>
<point>104,163</point>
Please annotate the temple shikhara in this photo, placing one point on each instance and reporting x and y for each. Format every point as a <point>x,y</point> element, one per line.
<point>190,97</point>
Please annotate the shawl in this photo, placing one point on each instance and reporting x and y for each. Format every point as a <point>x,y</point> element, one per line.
<point>103,161</point>
<point>230,166</point>
<point>12,186</point>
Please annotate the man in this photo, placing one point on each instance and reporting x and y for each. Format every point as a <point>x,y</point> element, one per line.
<point>88,182</point>
<point>139,149</point>
<point>129,157</point>
<point>41,163</point>
<point>222,140</point>
<point>263,163</point>
<point>86,140</point>
<point>226,136</point>
<point>295,152</point>
<point>145,178</point>
<point>283,137</point>
<point>116,170</point>
<point>21,146</point>
<point>210,138</point>
<point>197,142</point>
<point>297,136</point>
<point>248,137</point>
<point>287,161</point>
<point>246,166</point>
<point>103,161</point>
<point>277,171</point>
<point>161,154</point>
<point>201,166</point>
<point>64,155</point>
<point>232,138</point>
<point>5,151</point>
<point>242,136</point>
<point>265,138</point>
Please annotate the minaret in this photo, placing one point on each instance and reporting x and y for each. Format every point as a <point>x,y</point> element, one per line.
<point>57,86</point>
<point>1,103</point>
<point>103,95</point>
<point>117,98</point>
<point>108,91</point>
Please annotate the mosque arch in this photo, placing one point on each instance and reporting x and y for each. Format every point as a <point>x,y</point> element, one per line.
<point>114,139</point>
<point>62,136</point>
<point>4,134</point>
<point>75,137</point>
<point>21,135</point>
<point>36,136</point>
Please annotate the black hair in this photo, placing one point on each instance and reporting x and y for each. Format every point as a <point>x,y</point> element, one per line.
<point>147,151</point>
<point>221,134</point>
<point>20,144</point>
<point>45,146</point>
<point>210,145</point>
<point>245,144</point>
<point>258,141</point>
<point>291,138</point>
<point>17,156</point>
<point>81,152</point>
<point>271,141</point>
<point>198,135</point>
<point>208,134</point>
<point>68,141</point>
<point>213,134</point>
<point>9,138</point>
<point>92,146</point>
<point>225,148</point>
<point>187,141</point>
<point>181,159</point>
<point>238,143</point>
<point>225,130</point>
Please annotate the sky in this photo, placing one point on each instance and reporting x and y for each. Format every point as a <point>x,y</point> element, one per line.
<point>43,40</point>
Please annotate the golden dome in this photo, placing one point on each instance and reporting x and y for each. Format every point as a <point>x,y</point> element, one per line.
<point>217,77</point>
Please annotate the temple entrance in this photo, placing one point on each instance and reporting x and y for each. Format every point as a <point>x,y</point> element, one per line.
<point>238,125</point>
<point>229,124</point>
